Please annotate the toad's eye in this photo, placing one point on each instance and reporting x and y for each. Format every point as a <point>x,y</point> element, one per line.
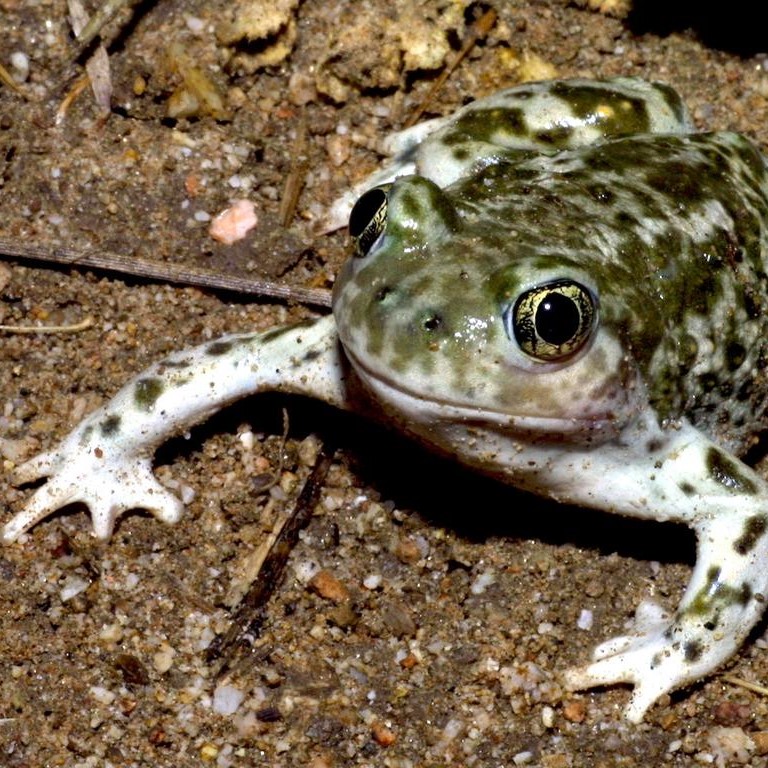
<point>552,321</point>
<point>368,219</point>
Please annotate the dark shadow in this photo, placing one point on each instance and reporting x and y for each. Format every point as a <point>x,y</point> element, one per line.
<point>441,491</point>
<point>737,28</point>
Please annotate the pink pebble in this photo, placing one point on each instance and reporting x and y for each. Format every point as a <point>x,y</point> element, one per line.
<point>234,223</point>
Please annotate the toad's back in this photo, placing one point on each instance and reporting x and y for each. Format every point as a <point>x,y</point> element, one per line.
<point>673,231</point>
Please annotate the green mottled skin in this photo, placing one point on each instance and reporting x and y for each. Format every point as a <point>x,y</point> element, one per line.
<point>670,230</point>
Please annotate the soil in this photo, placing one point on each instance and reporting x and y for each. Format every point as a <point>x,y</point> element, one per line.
<point>447,604</point>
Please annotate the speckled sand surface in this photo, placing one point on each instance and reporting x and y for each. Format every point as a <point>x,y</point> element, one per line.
<point>448,603</point>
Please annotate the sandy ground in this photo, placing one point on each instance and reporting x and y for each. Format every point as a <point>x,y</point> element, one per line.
<point>451,603</point>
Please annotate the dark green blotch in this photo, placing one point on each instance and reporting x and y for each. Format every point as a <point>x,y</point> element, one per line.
<point>175,365</point>
<point>745,595</point>
<point>110,425</point>
<point>754,528</point>
<point>678,181</point>
<point>86,435</point>
<point>736,354</point>
<point>692,650</point>
<point>275,333</point>
<point>728,472</point>
<point>147,391</point>
<point>557,136</point>
<point>586,102</point>
<point>483,124</point>
<point>672,98</point>
<point>460,154</point>
<point>432,322</point>
<point>602,194</point>
<point>716,595</point>
<point>687,488</point>
<point>218,348</point>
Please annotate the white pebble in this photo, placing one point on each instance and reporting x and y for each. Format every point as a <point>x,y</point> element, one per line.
<point>73,585</point>
<point>247,439</point>
<point>187,493</point>
<point>194,24</point>
<point>227,699</point>
<point>372,581</point>
<point>305,570</point>
<point>163,659</point>
<point>482,582</point>
<point>102,695</point>
<point>585,619</point>
<point>20,62</point>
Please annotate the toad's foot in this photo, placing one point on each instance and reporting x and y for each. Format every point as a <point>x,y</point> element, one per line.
<point>107,487</point>
<point>664,655</point>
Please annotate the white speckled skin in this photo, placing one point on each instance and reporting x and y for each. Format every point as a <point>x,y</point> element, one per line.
<point>569,295</point>
<point>106,462</point>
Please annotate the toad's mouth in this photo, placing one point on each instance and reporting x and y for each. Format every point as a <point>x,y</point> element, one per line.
<point>414,408</point>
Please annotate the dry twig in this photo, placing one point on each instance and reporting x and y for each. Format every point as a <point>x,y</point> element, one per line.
<point>7,78</point>
<point>74,328</point>
<point>249,616</point>
<point>171,273</point>
<point>741,683</point>
<point>477,32</point>
<point>294,181</point>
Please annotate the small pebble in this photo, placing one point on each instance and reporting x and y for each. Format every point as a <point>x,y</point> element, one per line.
<point>20,62</point>
<point>482,582</point>
<point>102,695</point>
<point>73,585</point>
<point>234,223</point>
<point>163,659</point>
<point>372,581</point>
<point>382,735</point>
<point>585,619</point>
<point>407,551</point>
<point>227,699</point>
<point>325,584</point>
<point>575,711</point>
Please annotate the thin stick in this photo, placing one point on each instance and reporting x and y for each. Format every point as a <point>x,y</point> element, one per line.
<point>74,328</point>
<point>7,78</point>
<point>294,181</point>
<point>477,31</point>
<point>171,273</point>
<point>75,90</point>
<point>739,681</point>
<point>103,15</point>
<point>249,616</point>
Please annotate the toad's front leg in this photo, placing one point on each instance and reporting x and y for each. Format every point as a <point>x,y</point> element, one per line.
<point>724,599</point>
<point>106,461</point>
